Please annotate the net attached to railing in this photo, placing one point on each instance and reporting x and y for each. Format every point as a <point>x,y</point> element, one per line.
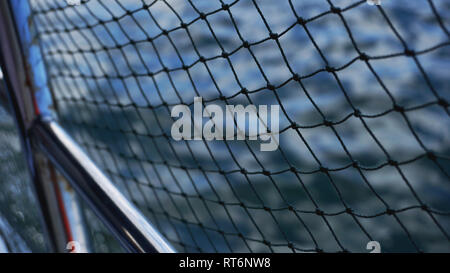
<point>364,121</point>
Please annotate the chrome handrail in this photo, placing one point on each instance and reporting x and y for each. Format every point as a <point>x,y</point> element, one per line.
<point>125,221</point>
<point>128,225</point>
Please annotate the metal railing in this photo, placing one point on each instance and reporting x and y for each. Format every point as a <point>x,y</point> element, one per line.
<point>43,134</point>
<point>120,216</point>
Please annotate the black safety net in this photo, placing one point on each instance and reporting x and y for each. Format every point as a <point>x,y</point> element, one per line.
<point>363,91</point>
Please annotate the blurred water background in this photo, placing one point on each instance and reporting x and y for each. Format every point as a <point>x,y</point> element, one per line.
<point>20,225</point>
<point>115,96</point>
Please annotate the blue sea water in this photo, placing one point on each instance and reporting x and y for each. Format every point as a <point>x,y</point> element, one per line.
<point>115,97</point>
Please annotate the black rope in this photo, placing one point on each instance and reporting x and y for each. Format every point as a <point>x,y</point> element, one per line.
<point>117,68</point>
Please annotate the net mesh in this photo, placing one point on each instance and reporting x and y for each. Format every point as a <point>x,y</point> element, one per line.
<point>362,90</point>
